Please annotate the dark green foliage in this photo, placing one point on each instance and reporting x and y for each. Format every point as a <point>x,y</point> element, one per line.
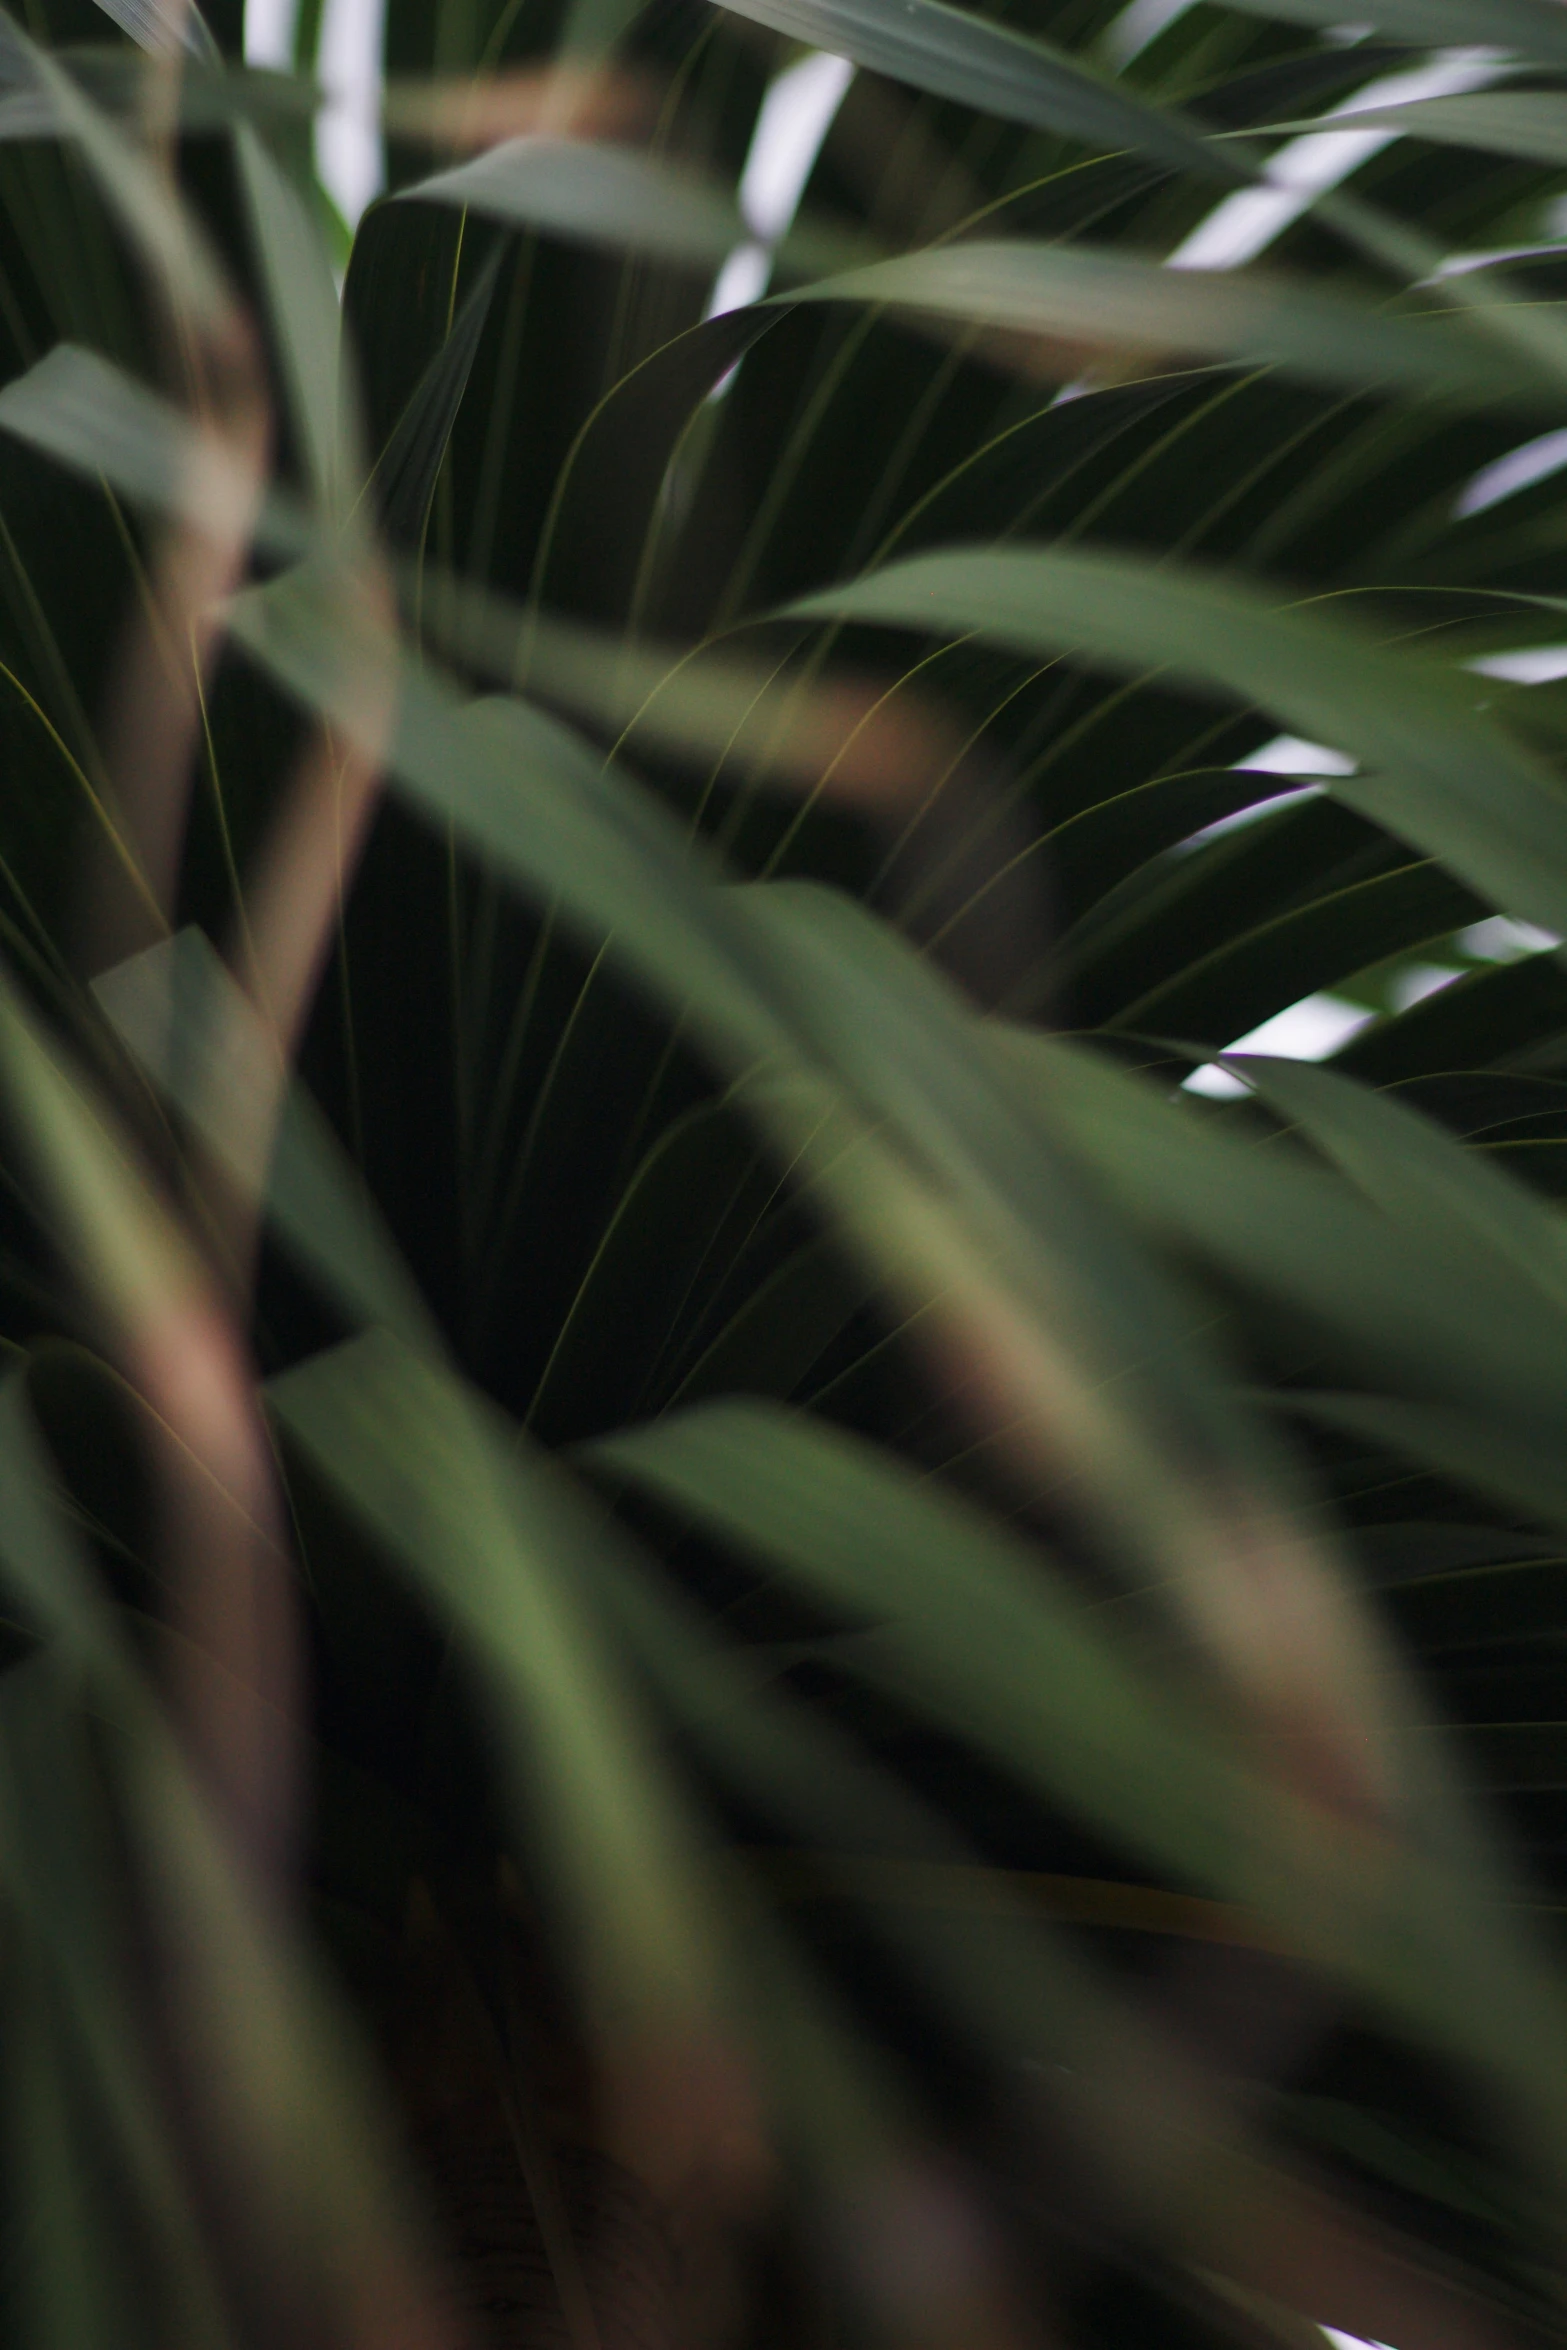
<point>838,1525</point>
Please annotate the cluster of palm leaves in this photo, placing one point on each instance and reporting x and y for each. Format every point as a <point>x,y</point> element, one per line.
<point>742,1602</point>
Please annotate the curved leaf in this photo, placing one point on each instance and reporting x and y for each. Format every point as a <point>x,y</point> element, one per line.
<point>87,414</point>
<point>1110,300</point>
<point>1534,28</point>
<point>164,27</point>
<point>1282,1229</point>
<point>423,1465</point>
<point>597,194</point>
<point>957,54</point>
<point>1448,1198</point>
<point>1438,772</point>
<point>971,1621</point>
<point>1528,124</point>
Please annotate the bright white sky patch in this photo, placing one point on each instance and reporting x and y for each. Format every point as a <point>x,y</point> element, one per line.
<point>1499,939</point>
<point>1289,754</point>
<point>1519,470</point>
<point>742,279</point>
<point>350,155</point>
<point>795,117</point>
<point>1530,665</point>
<point>1249,221</point>
<point>1315,1028</point>
<point>269,32</point>
<point>1307,1031</point>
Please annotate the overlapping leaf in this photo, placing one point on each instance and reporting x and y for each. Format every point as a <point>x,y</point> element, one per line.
<point>1111,301</point>
<point>1438,771</point>
<point>958,54</point>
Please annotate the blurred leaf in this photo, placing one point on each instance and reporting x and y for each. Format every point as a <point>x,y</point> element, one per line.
<point>1491,1455</point>
<point>647,1113</point>
<point>975,61</point>
<point>212,92</point>
<point>302,306</point>
<point>419,1463</point>
<point>163,27</point>
<point>1293,1232</point>
<point>199,1038</point>
<point>87,414</point>
<point>1446,1198</point>
<point>1439,773</point>
<point>974,1935</point>
<point>167,237</point>
<point>965,1213</point>
<point>879,1542</point>
<point>531,796</point>
<point>600,195</point>
<point>1531,27</point>
<point>1007,1659</point>
<point>136,1265</point>
<point>83,2058</point>
<point>291,2103</point>
<point>1528,124</point>
<point>1109,300</point>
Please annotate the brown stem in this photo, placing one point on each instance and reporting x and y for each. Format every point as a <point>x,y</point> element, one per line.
<point>168,647</point>
<point>285,927</point>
